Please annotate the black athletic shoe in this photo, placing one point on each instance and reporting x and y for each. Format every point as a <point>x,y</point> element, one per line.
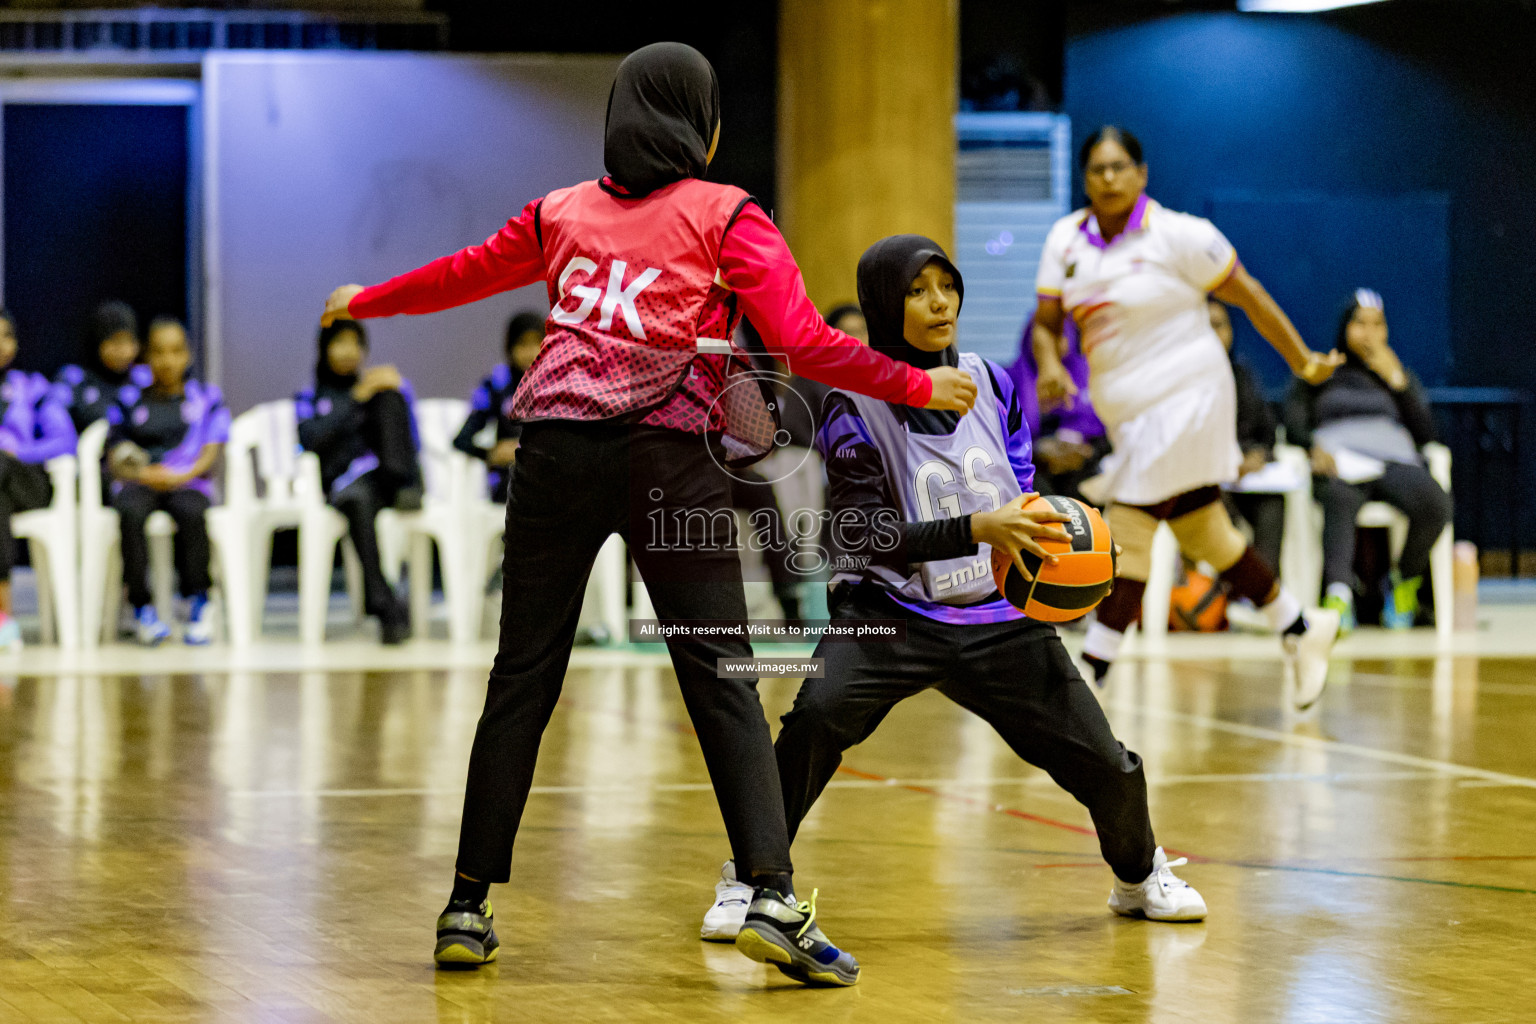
<point>395,624</point>
<point>408,499</point>
<point>782,933</point>
<point>465,936</point>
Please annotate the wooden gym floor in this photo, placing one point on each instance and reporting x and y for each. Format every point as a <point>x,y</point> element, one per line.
<point>273,846</point>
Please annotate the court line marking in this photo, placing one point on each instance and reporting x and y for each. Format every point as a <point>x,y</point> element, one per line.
<point>1012,812</point>
<point>1266,866</point>
<point>867,780</point>
<point>1419,683</point>
<point>1310,869</point>
<point>1325,745</point>
<point>1221,725</point>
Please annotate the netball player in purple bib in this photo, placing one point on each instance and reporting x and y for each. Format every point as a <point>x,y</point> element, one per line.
<point>918,500</point>
<point>625,411</point>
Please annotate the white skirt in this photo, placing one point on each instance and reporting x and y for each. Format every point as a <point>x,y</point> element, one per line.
<point>1186,441</point>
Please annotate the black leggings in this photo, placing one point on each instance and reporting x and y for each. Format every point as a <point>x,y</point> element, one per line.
<point>1265,513</point>
<point>1016,676</point>
<point>361,501</point>
<point>134,503</point>
<point>1407,488</point>
<point>23,487</point>
<point>387,429</point>
<point>753,495</point>
<point>573,485</point>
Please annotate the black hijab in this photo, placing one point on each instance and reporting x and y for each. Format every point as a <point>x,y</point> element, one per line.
<point>662,113</point>
<point>109,318</point>
<point>1360,297</point>
<point>885,273</point>
<point>325,377</point>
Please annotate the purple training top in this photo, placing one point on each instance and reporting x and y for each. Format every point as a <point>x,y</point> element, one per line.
<point>1079,418</point>
<point>34,418</point>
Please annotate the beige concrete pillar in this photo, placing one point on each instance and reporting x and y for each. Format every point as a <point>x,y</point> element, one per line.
<point>867,95</point>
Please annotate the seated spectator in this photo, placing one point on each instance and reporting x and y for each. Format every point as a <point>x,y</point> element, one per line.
<point>1069,441</point>
<point>359,422</point>
<point>161,453</point>
<point>1264,513</point>
<point>34,427</point>
<point>113,336</point>
<point>1365,426</point>
<point>492,402</point>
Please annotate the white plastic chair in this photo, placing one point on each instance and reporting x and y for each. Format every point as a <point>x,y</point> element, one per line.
<point>271,485</point>
<point>446,519</point>
<point>101,562</point>
<point>1157,601</point>
<point>321,528</point>
<point>467,527</point>
<point>52,539</point>
<point>485,525</point>
<point>1306,528</point>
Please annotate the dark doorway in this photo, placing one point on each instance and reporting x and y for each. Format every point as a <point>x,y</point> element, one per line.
<point>95,209</point>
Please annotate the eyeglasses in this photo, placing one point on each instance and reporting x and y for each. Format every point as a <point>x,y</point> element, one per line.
<point>1114,170</point>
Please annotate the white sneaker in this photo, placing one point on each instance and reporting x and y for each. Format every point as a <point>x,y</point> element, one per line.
<point>1162,896</point>
<point>151,632</point>
<point>723,921</point>
<point>1306,657</point>
<point>199,628</point>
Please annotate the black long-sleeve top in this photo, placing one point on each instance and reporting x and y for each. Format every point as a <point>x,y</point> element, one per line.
<point>331,425</point>
<point>1255,419</point>
<point>1355,390</point>
<point>93,390</point>
<point>492,400</point>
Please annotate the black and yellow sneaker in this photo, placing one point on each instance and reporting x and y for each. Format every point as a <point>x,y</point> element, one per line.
<point>780,932</point>
<point>465,936</point>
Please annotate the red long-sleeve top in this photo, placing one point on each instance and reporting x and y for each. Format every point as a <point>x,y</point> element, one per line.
<point>755,263</point>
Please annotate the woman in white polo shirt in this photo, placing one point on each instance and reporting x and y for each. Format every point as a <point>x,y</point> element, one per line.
<point>1135,277</point>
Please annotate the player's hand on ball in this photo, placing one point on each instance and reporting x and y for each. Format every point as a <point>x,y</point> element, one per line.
<point>953,389</point>
<point>336,305</point>
<point>1055,387</point>
<point>1014,530</point>
<point>1320,367</point>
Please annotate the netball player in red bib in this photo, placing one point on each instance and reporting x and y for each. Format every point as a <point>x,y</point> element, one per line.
<point>628,409</point>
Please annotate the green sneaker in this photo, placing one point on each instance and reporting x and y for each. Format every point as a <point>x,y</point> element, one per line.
<point>1401,608</point>
<point>466,935</point>
<point>1345,606</point>
<point>783,933</point>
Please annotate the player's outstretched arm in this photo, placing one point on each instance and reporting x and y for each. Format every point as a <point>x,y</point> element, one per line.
<point>756,264</point>
<point>509,259</point>
<point>1243,290</point>
<point>336,304</point>
<point>953,389</point>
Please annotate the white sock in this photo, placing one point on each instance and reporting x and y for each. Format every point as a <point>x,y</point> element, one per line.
<point>1102,642</point>
<point>1282,611</point>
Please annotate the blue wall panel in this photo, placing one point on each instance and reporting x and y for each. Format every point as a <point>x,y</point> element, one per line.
<point>1316,141</point>
<point>1311,251</point>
